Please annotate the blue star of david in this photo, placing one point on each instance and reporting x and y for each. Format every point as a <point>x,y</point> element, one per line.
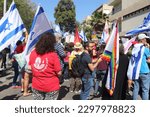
<point>7,26</point>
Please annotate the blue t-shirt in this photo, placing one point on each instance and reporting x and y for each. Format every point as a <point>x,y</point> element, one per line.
<point>144,64</point>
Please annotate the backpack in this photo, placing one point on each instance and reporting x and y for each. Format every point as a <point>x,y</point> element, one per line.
<point>77,66</point>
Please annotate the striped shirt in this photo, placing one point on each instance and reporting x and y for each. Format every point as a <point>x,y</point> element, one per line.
<point>61,53</point>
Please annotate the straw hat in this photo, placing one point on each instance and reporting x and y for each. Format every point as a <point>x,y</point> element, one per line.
<point>78,45</point>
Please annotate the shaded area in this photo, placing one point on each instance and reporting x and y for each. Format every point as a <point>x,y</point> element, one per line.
<point>11,97</point>
<point>5,87</point>
<point>2,73</point>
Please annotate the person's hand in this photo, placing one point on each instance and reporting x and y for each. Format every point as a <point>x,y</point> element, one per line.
<point>12,60</point>
<point>148,60</point>
<point>99,60</point>
<point>130,84</point>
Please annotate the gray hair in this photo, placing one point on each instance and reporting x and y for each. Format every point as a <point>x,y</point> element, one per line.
<point>58,36</point>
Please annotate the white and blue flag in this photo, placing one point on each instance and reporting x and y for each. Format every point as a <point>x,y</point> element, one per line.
<point>11,27</point>
<point>105,35</point>
<point>83,36</point>
<point>40,25</point>
<point>135,62</point>
<point>145,27</point>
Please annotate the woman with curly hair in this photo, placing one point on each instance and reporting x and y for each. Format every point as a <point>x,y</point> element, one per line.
<point>46,69</point>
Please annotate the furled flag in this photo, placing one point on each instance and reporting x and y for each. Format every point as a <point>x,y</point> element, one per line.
<point>77,38</point>
<point>83,36</point>
<point>105,34</point>
<point>111,54</point>
<point>40,25</point>
<point>11,27</point>
<point>128,44</point>
<point>135,62</point>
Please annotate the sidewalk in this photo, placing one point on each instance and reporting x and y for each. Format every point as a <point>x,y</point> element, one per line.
<point>8,93</point>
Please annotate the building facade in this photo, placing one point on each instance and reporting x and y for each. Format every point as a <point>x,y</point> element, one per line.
<point>130,13</point>
<point>105,10</point>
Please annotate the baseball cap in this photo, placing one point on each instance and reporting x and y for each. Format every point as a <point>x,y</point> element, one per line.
<point>142,36</point>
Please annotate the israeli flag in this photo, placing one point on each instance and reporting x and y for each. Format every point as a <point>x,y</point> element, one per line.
<point>83,36</point>
<point>145,27</point>
<point>105,34</point>
<point>40,25</point>
<point>135,62</point>
<point>11,27</point>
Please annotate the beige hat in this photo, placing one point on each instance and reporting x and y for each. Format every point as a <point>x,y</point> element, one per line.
<point>78,45</point>
<point>142,36</point>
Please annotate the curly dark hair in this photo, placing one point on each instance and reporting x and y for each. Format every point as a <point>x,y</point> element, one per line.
<point>46,43</point>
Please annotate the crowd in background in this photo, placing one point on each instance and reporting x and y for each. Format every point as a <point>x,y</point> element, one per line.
<point>52,62</point>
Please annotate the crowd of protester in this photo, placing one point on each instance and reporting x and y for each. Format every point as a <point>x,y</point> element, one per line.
<point>51,63</point>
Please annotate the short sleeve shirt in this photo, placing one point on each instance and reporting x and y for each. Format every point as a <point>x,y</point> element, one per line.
<point>44,70</point>
<point>144,64</point>
<point>86,59</point>
<point>19,49</point>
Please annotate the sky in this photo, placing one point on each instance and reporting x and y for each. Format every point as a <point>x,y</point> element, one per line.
<point>83,7</point>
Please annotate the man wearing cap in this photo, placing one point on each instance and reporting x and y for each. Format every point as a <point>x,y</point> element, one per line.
<point>143,80</point>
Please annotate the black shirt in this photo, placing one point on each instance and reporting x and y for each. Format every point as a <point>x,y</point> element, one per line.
<point>86,59</point>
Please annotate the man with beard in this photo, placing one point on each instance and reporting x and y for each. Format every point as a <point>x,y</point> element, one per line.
<point>87,80</point>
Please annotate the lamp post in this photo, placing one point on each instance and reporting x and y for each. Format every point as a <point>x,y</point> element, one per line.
<point>5,6</point>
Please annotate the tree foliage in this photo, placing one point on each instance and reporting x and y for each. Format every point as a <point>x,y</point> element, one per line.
<point>26,10</point>
<point>65,15</point>
<point>92,22</point>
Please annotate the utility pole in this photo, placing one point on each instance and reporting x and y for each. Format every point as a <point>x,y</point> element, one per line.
<point>5,6</point>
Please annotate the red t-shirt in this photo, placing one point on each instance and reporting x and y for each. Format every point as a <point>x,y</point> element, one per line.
<point>44,69</point>
<point>19,49</point>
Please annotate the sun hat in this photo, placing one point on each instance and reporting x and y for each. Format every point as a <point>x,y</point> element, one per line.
<point>142,36</point>
<point>78,45</point>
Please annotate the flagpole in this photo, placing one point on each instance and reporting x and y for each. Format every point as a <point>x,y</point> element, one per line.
<point>5,5</point>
